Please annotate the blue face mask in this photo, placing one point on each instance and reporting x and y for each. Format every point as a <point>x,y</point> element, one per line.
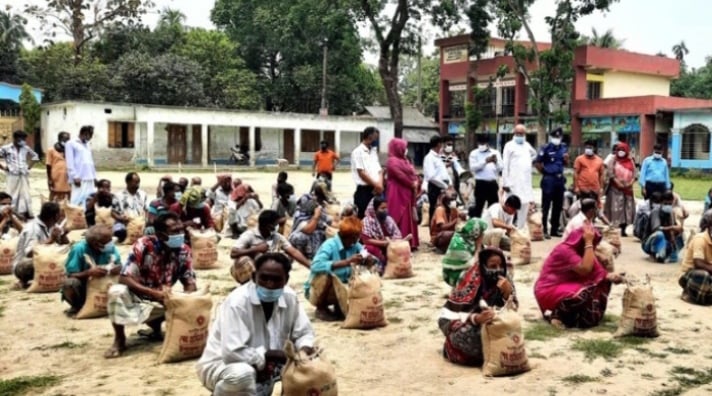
<point>374,143</point>
<point>269,295</point>
<point>199,206</point>
<point>108,248</point>
<point>175,241</point>
<point>519,139</point>
<point>666,209</point>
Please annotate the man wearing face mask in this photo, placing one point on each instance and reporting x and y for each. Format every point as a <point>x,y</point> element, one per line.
<point>435,173</point>
<point>155,263</point>
<point>19,159</point>
<point>57,179</point>
<point>98,245</point>
<point>654,173</point>
<point>485,165</point>
<point>589,171</point>
<point>325,161</point>
<point>517,159</point>
<point>104,198</point>
<point>665,239</point>
<point>366,170</point>
<point>551,161</point>
<point>80,165</point>
<point>244,354</point>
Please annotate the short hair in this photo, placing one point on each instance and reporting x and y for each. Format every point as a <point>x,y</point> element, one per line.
<point>284,189</point>
<point>588,195</point>
<point>350,227</point>
<point>588,204</point>
<point>590,143</point>
<point>622,138</point>
<point>656,197</point>
<point>435,140</point>
<point>19,134</point>
<point>168,186</point>
<point>100,182</point>
<point>482,138</point>
<point>268,217</point>
<point>279,258</point>
<point>368,132</point>
<point>658,147</point>
<point>160,224</point>
<point>130,176</point>
<point>4,195</point>
<point>49,210</point>
<point>348,210</point>
<point>324,142</point>
<point>668,196</point>
<point>282,176</point>
<point>59,135</point>
<point>513,202</point>
<point>86,129</point>
<point>98,230</point>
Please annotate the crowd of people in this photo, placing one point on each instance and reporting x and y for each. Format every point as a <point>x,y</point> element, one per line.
<point>243,356</point>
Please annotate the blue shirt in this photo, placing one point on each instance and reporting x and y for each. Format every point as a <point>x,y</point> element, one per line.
<point>76,262</point>
<point>330,252</point>
<point>552,158</point>
<point>654,170</point>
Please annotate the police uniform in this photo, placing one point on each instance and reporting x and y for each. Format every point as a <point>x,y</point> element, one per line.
<point>553,182</point>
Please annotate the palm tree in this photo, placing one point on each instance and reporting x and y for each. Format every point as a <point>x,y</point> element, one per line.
<point>171,17</point>
<point>680,50</point>
<point>606,40</point>
<point>12,30</point>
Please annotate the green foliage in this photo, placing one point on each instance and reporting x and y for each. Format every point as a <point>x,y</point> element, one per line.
<point>592,349</point>
<point>12,35</point>
<point>31,110</point>
<point>541,331</point>
<point>686,378</point>
<point>21,385</point>
<point>605,40</point>
<point>408,86</point>
<point>578,379</point>
<point>694,83</point>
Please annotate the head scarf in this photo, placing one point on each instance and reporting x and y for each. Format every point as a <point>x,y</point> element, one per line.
<point>240,191</point>
<point>576,242</point>
<point>626,161</point>
<point>191,197</point>
<point>397,147</point>
<point>472,287</point>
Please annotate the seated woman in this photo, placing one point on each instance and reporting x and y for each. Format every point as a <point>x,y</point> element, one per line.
<point>484,285</point>
<point>310,222</point>
<point>194,213</point>
<point>572,289</point>
<point>378,231</point>
<point>665,232</point>
<point>163,204</point>
<point>696,267</point>
<point>244,204</point>
<point>103,198</point>
<point>466,242</point>
<point>335,257</point>
<point>442,225</point>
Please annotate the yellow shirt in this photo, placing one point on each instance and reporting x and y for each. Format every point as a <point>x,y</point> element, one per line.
<point>700,248</point>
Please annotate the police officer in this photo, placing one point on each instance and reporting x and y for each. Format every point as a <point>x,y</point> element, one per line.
<point>550,162</point>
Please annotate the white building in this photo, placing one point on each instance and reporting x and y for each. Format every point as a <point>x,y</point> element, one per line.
<point>163,135</point>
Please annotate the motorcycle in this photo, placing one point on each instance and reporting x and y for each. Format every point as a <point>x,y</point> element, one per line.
<point>239,156</point>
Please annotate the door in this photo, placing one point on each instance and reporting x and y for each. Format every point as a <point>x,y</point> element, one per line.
<point>288,145</point>
<point>176,143</point>
<point>197,146</point>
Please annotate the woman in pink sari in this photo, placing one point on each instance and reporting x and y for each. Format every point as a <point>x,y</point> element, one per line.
<point>572,289</point>
<point>401,185</point>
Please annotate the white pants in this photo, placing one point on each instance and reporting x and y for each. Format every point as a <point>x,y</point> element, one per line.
<point>80,194</point>
<point>235,379</point>
<point>522,215</point>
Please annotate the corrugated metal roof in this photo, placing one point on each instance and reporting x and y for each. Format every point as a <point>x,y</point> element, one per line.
<point>411,116</point>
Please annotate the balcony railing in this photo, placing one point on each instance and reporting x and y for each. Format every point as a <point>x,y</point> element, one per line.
<point>507,110</point>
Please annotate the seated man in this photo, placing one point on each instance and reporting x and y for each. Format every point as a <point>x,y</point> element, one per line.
<point>219,197</point>
<point>255,242</point>
<point>575,208</point>
<point>10,223</point>
<point>162,205</point>
<point>244,203</point>
<point>696,268</point>
<point>309,226</point>
<point>99,246</point>
<point>442,225</point>
<point>155,262</point>
<point>40,230</point>
<point>586,212</point>
<point>134,201</point>
<point>194,213</point>
<point>103,198</point>
<point>284,205</point>
<point>678,207</point>
<point>665,232</point>
<point>244,352</point>
<point>500,222</point>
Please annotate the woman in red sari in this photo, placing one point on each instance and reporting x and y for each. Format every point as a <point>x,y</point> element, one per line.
<point>620,201</point>
<point>401,185</point>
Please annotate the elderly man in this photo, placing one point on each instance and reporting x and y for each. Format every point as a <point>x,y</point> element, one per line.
<point>80,166</point>
<point>134,201</point>
<point>17,169</point>
<point>244,353</point>
<point>40,230</point>
<point>98,245</point>
<point>517,159</point>
<point>155,262</point>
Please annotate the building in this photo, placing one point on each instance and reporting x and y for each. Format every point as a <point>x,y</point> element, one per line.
<point>10,115</point>
<point>691,139</point>
<point>614,93</point>
<point>417,130</point>
<point>126,134</point>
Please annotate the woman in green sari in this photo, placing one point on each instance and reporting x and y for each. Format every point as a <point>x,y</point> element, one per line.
<point>461,251</point>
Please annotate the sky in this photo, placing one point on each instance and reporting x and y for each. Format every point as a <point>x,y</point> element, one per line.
<point>646,26</point>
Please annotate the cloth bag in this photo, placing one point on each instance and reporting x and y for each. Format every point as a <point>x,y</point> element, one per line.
<point>606,254</point>
<point>242,269</point>
<point>103,217</point>
<point>187,320</point>
<point>75,217</point>
<point>97,296</point>
<point>305,374</point>
<point>521,248</point>
<point>8,247</point>
<point>613,236</point>
<point>204,249</point>
<point>639,315</point>
<point>425,215</point>
<point>48,261</point>
<point>399,260</point>
<point>503,344</point>
<point>337,291</point>
<point>134,229</point>
<point>366,309</point>
<point>536,229</point>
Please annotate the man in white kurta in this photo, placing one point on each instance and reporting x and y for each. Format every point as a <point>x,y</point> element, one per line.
<point>518,157</point>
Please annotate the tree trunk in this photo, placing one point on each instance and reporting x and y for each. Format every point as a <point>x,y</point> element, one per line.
<point>389,76</point>
<point>77,30</point>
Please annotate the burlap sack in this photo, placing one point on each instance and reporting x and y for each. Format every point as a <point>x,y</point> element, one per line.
<point>75,217</point>
<point>287,227</point>
<point>219,220</point>
<point>8,247</point>
<point>536,229</point>
<point>606,253</point>
<point>639,315</point>
<point>97,295</point>
<point>331,288</point>
<point>134,229</point>
<point>399,260</point>
<point>613,236</point>
<point>187,320</point>
<point>242,269</point>
<point>48,261</point>
<point>103,217</point>
<point>503,344</point>
<point>493,237</point>
<point>365,301</point>
<point>252,220</point>
<point>521,248</point>
<point>425,215</point>
<point>305,375</point>
<point>204,248</point>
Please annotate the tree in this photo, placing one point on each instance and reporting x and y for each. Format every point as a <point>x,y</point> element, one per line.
<point>31,111</point>
<point>83,20</point>
<point>408,84</point>
<point>680,50</point>
<point>12,35</point>
<point>694,83</point>
<point>605,40</point>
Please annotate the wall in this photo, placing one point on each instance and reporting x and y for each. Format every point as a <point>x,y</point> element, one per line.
<point>621,85</point>
<point>680,122</point>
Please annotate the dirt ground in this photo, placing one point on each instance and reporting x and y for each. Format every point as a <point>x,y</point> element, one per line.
<point>403,358</point>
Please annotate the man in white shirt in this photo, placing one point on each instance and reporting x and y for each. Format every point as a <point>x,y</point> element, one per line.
<point>244,353</point>
<point>80,166</point>
<point>485,165</point>
<point>500,222</point>
<point>435,174</point>
<point>366,170</point>
<point>518,157</point>
<point>17,168</point>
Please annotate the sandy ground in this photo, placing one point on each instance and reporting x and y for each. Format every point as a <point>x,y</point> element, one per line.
<point>403,358</point>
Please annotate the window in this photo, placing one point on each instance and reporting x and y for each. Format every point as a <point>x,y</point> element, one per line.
<point>593,90</point>
<point>695,143</point>
<point>508,101</point>
<point>488,101</point>
<point>121,134</point>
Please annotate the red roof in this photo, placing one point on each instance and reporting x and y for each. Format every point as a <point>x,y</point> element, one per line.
<point>465,39</point>
<point>590,57</point>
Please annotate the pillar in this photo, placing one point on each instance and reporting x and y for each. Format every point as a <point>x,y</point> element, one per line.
<point>297,146</point>
<point>580,85</point>
<point>150,137</point>
<point>520,97</point>
<point>647,136</point>
<point>205,145</point>
<point>676,149</point>
<point>444,103</point>
<point>576,133</point>
<point>337,142</point>
<point>252,146</point>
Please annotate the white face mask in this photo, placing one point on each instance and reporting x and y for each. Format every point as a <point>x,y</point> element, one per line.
<point>556,141</point>
<point>519,139</point>
<point>448,149</point>
<point>657,156</point>
<point>483,147</point>
<point>588,151</point>
<point>621,154</point>
<point>405,153</point>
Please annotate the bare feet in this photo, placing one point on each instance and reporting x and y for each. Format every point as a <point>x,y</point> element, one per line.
<point>557,324</point>
<point>116,350</point>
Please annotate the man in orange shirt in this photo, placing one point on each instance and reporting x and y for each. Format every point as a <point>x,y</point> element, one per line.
<point>589,171</point>
<point>325,161</point>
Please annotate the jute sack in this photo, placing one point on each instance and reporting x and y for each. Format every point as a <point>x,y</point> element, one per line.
<point>536,229</point>
<point>503,344</point>
<point>187,320</point>
<point>97,295</point>
<point>242,269</point>
<point>252,220</point>
<point>425,215</point>
<point>613,236</point>
<point>305,374</point>
<point>287,227</point>
<point>639,315</point>
<point>219,219</point>
<point>606,253</point>
<point>329,287</point>
<point>8,247</point>
<point>399,264</point>
<point>134,229</point>
<point>521,248</point>
<point>365,301</point>
<point>75,217</point>
<point>493,237</point>
<point>103,217</point>
<point>48,261</point>
<point>204,248</point>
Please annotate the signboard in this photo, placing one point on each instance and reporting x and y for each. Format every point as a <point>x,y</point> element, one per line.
<point>456,128</point>
<point>626,124</point>
<point>506,126</point>
<point>455,54</point>
<point>458,87</point>
<point>497,84</point>
<point>596,125</point>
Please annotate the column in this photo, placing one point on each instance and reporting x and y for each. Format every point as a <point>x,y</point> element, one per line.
<point>150,137</point>
<point>252,145</point>
<point>297,146</point>
<point>205,145</point>
<point>444,104</point>
<point>676,149</point>
<point>337,142</point>
<point>575,131</point>
<point>647,136</point>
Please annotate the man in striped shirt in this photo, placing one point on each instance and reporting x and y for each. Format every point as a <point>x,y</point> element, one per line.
<point>17,167</point>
